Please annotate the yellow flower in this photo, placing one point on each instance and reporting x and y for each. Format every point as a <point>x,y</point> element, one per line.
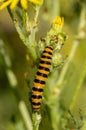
<point>13,3</point>
<point>56,27</point>
<point>37,2</point>
<point>58,21</point>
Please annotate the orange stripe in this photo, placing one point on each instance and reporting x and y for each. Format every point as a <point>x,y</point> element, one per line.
<point>44,65</point>
<point>36,107</point>
<point>43,71</point>
<point>40,78</point>
<point>46,54</point>
<point>36,100</point>
<point>38,85</point>
<point>36,93</point>
<point>45,59</point>
<point>48,49</point>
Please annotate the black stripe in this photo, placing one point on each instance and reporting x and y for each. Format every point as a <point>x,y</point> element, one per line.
<point>50,47</point>
<point>50,53</point>
<point>48,57</point>
<point>36,103</point>
<point>37,89</point>
<point>36,109</point>
<point>39,81</point>
<point>36,96</point>
<point>45,62</point>
<point>43,68</point>
<point>41,74</point>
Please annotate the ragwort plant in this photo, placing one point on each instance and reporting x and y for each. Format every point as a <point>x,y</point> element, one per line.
<point>52,102</point>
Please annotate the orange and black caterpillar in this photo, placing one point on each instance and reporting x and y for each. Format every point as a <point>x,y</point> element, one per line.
<point>41,77</point>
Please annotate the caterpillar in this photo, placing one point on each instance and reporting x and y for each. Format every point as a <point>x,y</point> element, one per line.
<point>41,77</point>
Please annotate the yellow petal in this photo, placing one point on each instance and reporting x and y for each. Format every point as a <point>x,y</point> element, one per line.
<point>5,4</point>
<point>37,2</point>
<point>58,21</point>
<point>13,4</point>
<point>1,0</point>
<point>24,4</point>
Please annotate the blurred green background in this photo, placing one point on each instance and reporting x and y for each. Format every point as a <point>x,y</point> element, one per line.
<point>10,117</point>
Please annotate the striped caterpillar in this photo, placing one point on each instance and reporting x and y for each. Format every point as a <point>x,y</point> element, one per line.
<point>41,77</point>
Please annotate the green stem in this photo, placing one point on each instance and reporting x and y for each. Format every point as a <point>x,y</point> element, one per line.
<point>82,76</point>
<point>56,8</point>
<point>23,32</point>
<point>26,41</point>
<point>54,118</point>
<point>64,70</point>
<point>76,43</point>
<point>25,19</point>
<point>37,8</point>
<point>13,84</point>
<point>25,115</point>
<point>36,120</point>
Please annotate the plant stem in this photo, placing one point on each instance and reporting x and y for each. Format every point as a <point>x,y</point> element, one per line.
<point>54,118</point>
<point>30,45</point>
<point>27,37</point>
<point>80,35</point>
<point>36,120</point>
<point>82,76</point>
<point>64,70</point>
<point>37,8</point>
<point>14,83</point>
<point>25,115</point>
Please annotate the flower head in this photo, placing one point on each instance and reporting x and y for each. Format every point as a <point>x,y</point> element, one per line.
<point>13,4</point>
<point>55,34</point>
<point>58,23</point>
<point>37,2</point>
<point>23,3</point>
